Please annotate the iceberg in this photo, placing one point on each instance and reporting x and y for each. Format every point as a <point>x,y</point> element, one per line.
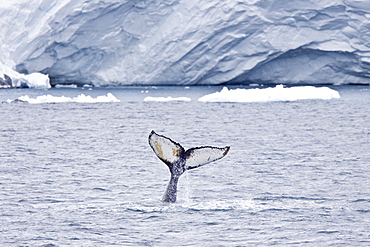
<point>110,42</point>
<point>63,99</point>
<point>12,79</point>
<point>276,94</point>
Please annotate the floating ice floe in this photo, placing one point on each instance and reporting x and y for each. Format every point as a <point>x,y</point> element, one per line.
<point>66,86</point>
<point>62,99</point>
<point>278,93</point>
<point>165,99</point>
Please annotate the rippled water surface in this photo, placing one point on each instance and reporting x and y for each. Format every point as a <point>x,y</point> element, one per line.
<point>79,174</point>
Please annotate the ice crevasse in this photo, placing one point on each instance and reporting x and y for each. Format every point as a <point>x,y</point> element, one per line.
<point>185,42</point>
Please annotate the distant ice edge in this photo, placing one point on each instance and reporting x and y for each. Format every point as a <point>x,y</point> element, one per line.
<point>275,94</point>
<point>188,42</point>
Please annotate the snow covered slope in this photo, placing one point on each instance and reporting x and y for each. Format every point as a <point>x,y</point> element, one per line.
<point>182,42</point>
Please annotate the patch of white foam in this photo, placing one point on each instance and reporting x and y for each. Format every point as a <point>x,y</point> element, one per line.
<point>166,99</point>
<point>214,205</point>
<point>62,99</point>
<point>278,93</point>
<point>219,205</point>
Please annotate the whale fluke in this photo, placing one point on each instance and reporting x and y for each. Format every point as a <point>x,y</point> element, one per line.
<point>178,160</point>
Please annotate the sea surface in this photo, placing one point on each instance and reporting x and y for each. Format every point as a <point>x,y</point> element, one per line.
<point>83,174</point>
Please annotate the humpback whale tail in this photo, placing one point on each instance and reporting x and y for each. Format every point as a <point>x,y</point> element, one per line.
<point>178,160</point>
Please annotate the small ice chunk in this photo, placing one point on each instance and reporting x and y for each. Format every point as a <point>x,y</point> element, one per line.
<point>66,86</point>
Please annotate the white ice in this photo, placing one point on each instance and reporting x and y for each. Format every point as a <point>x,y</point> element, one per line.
<point>109,42</point>
<point>278,93</point>
<point>66,86</point>
<point>63,99</point>
<point>33,80</point>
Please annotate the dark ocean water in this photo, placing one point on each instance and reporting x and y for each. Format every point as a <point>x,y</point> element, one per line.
<point>79,174</point>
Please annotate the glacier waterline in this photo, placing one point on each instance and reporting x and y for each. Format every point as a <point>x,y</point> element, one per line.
<point>83,174</point>
<point>278,93</point>
<point>166,99</point>
<point>161,93</point>
<point>188,42</point>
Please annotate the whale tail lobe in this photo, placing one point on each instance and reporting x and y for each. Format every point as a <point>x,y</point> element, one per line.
<point>171,152</point>
<point>167,150</point>
<point>178,160</point>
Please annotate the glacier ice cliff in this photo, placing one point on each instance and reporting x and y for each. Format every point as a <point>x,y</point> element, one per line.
<point>188,42</point>
<point>12,79</point>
